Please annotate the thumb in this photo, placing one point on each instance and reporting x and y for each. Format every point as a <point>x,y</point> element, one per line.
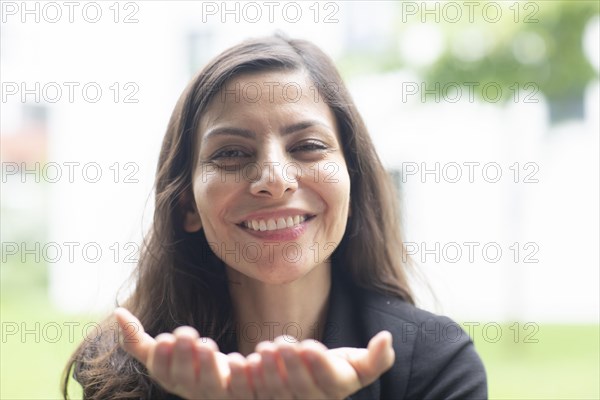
<point>132,336</point>
<point>381,352</point>
<point>370,363</point>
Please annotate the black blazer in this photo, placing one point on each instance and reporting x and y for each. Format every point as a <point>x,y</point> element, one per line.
<point>435,358</point>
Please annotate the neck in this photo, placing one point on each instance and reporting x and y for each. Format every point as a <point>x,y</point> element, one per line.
<point>264,311</point>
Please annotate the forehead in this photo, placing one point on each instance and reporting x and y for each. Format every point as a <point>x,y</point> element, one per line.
<point>271,98</point>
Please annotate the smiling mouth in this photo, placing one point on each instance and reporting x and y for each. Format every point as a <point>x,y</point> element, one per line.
<point>275,224</point>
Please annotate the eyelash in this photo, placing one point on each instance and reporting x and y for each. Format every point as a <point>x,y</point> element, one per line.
<point>221,154</point>
<point>308,147</point>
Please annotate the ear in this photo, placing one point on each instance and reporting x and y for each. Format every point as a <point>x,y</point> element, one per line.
<point>191,218</point>
<point>191,221</point>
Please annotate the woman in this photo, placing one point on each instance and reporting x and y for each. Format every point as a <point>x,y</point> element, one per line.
<point>275,255</point>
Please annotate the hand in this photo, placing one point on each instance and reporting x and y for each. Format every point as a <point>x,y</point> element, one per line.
<point>309,370</point>
<point>185,364</point>
<point>280,369</point>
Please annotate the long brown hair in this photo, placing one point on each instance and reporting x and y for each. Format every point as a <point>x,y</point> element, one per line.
<point>180,281</point>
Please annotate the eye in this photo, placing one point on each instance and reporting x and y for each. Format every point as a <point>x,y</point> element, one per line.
<point>230,158</point>
<point>226,154</point>
<point>310,146</point>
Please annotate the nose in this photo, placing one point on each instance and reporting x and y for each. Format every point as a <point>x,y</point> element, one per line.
<point>276,176</point>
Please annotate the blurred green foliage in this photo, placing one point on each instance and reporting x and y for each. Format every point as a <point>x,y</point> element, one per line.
<point>534,46</point>
<point>561,71</point>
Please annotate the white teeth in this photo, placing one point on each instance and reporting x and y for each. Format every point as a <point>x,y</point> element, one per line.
<point>272,224</point>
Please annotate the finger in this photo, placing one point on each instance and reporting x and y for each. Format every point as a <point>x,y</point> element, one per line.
<point>184,366</point>
<point>206,341</point>
<point>240,386</point>
<point>381,353</point>
<point>378,359</point>
<point>255,366</point>
<point>334,376</point>
<point>351,354</point>
<point>159,359</point>
<point>299,379</point>
<point>273,374</point>
<point>212,378</point>
<point>371,362</point>
<point>134,340</point>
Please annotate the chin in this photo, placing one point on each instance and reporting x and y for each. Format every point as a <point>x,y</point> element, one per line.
<point>279,274</point>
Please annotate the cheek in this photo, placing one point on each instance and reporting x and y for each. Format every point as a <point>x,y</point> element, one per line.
<point>342,195</point>
<point>211,194</point>
<point>334,189</point>
<point>336,184</point>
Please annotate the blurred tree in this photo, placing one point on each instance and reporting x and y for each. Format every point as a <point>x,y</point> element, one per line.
<point>543,51</point>
<point>534,47</point>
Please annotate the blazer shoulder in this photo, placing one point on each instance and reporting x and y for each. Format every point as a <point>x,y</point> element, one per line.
<point>395,308</point>
<point>435,357</point>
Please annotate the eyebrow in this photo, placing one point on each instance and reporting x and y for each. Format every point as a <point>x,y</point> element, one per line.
<point>249,134</point>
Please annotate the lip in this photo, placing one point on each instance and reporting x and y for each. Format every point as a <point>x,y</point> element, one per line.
<point>280,234</point>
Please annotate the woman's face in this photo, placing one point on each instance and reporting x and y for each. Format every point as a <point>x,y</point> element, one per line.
<point>270,184</point>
